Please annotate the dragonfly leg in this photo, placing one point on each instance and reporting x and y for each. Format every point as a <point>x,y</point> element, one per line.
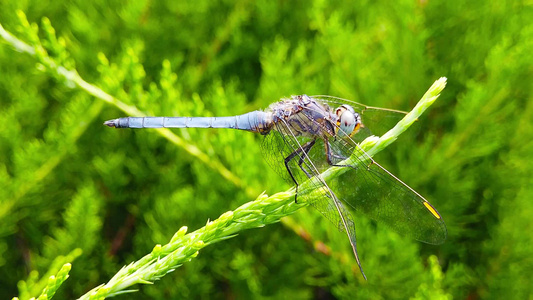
<point>330,155</point>
<point>305,149</point>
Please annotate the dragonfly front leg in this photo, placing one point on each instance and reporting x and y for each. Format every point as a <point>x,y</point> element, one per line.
<point>305,149</point>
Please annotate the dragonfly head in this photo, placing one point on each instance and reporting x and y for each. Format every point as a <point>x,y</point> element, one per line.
<point>348,121</point>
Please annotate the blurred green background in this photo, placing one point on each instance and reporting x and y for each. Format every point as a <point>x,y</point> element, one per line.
<point>67,182</point>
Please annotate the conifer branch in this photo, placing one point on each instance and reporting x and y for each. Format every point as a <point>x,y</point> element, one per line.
<point>70,76</point>
<point>53,283</point>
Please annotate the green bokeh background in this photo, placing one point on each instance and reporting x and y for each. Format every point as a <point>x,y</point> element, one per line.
<point>67,182</point>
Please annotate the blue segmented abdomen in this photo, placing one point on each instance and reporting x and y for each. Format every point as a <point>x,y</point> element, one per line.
<point>256,121</point>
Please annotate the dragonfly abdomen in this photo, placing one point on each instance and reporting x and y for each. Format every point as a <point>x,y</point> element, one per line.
<point>256,121</point>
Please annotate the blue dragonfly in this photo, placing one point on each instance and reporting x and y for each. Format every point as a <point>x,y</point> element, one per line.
<point>306,135</point>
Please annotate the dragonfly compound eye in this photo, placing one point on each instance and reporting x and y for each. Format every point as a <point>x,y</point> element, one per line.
<point>348,121</point>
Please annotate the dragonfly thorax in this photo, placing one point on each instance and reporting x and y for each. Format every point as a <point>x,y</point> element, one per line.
<point>348,121</point>
<point>305,116</point>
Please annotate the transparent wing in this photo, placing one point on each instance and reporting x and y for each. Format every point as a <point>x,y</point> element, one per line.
<point>369,188</point>
<point>308,160</point>
<point>364,186</point>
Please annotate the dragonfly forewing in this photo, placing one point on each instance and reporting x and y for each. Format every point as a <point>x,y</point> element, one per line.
<point>363,186</point>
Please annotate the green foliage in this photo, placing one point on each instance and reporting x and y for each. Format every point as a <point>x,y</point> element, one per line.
<point>73,191</point>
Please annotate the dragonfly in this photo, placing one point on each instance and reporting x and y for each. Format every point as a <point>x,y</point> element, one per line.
<point>306,135</point>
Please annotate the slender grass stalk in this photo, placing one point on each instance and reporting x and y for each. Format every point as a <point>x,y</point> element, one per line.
<point>258,213</point>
